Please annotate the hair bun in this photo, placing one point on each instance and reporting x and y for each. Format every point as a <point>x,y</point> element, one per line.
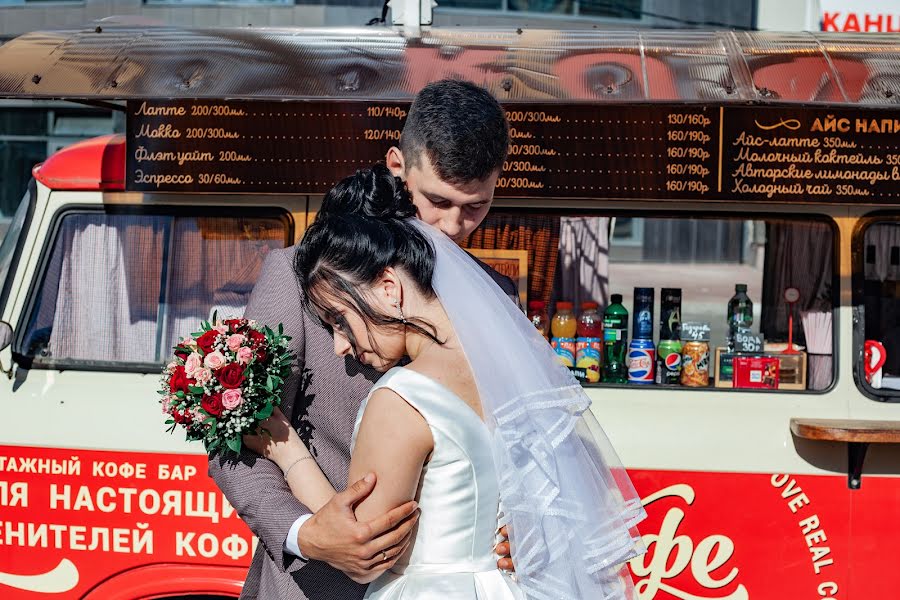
<point>373,192</point>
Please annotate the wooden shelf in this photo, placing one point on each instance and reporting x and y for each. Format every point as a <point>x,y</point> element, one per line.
<point>856,434</point>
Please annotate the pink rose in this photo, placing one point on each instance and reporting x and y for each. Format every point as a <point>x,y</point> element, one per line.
<point>214,360</point>
<point>202,376</point>
<point>171,367</point>
<point>244,355</point>
<point>166,405</point>
<point>221,328</point>
<point>193,362</point>
<point>234,342</point>
<point>231,399</point>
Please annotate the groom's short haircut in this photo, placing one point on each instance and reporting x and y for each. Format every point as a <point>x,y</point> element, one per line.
<point>462,129</point>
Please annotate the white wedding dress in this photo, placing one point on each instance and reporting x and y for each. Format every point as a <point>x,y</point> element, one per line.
<point>452,555</point>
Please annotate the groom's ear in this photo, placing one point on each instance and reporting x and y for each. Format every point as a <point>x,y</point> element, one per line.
<point>395,163</point>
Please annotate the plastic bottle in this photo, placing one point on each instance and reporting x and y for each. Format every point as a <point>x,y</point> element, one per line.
<point>563,327</point>
<point>590,322</point>
<point>537,314</point>
<point>564,324</point>
<point>740,313</point>
<point>615,341</point>
<point>589,343</point>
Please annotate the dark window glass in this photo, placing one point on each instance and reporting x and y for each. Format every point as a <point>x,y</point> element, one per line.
<point>16,161</point>
<point>616,9</point>
<point>15,121</point>
<point>880,304</point>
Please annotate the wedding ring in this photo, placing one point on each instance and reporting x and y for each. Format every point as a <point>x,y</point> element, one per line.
<point>383,556</point>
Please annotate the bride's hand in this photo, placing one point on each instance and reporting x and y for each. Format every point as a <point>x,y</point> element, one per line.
<point>276,440</point>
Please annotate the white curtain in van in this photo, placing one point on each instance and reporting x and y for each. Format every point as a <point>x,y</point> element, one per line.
<point>214,264</point>
<point>109,273</point>
<point>102,300</point>
<point>583,269</point>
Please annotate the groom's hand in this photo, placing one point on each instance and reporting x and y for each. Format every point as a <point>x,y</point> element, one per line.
<point>505,562</point>
<point>359,549</point>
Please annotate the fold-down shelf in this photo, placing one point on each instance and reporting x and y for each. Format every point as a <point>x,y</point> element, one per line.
<point>857,434</point>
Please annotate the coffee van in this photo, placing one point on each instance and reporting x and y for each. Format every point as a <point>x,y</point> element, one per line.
<point>653,159</point>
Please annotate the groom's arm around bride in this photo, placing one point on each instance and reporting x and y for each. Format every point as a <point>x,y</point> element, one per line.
<point>256,487</point>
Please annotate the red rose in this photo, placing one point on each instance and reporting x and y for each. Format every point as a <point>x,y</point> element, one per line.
<point>256,338</point>
<point>179,380</point>
<point>181,417</point>
<point>258,343</point>
<point>234,325</point>
<point>182,352</point>
<point>207,341</point>
<point>231,376</point>
<point>212,404</point>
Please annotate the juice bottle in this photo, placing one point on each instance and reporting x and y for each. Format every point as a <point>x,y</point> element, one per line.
<point>564,324</point>
<point>590,322</point>
<point>537,314</point>
<point>563,327</point>
<point>588,344</point>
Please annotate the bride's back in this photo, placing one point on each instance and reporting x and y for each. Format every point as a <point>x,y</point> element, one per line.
<point>451,557</point>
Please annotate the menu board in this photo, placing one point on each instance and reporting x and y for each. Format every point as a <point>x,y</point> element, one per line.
<point>739,153</point>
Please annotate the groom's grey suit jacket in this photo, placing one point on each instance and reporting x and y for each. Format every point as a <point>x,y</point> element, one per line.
<point>321,397</point>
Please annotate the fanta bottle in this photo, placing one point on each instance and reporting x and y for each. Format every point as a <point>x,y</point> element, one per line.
<point>564,324</point>
<point>563,327</point>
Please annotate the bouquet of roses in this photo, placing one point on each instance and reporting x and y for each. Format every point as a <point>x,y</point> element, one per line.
<point>224,380</point>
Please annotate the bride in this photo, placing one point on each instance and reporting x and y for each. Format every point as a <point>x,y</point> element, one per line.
<point>482,426</point>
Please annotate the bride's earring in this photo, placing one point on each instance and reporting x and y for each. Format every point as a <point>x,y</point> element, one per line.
<point>400,311</point>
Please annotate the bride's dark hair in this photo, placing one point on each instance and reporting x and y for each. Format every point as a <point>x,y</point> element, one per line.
<point>363,227</point>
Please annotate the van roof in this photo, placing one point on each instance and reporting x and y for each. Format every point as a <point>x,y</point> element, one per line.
<point>119,62</point>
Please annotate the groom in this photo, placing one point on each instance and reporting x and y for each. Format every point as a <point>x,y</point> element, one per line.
<point>451,152</point>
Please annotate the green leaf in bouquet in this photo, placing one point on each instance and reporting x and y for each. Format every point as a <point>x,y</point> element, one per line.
<point>196,389</point>
<point>215,315</point>
<point>264,413</point>
<point>270,384</point>
<point>234,443</point>
<point>280,329</point>
<point>179,394</point>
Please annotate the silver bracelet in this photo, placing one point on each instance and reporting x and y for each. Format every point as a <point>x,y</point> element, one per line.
<point>301,459</point>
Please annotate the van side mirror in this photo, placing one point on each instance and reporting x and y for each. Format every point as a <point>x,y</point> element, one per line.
<point>6,335</point>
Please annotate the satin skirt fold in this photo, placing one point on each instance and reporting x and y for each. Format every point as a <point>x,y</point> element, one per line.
<point>444,582</point>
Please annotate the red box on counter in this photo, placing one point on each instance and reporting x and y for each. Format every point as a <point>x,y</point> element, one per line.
<point>756,372</point>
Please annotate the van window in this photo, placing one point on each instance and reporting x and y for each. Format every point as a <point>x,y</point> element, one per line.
<point>588,257</point>
<point>123,288</point>
<point>11,230</point>
<point>877,302</point>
